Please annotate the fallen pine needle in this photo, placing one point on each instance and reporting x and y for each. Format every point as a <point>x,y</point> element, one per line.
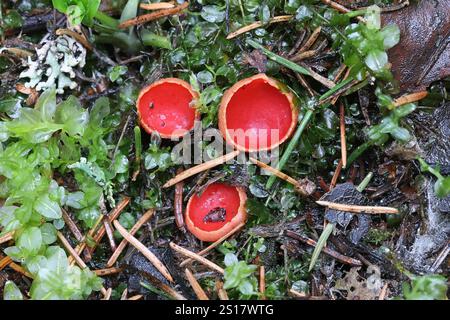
<point>201,167</point>
<point>142,220</point>
<point>304,55</point>
<point>343,139</point>
<point>5,262</point>
<point>258,24</point>
<point>301,188</point>
<point>336,174</point>
<point>107,294</point>
<point>21,53</point>
<point>157,6</point>
<point>113,215</point>
<point>358,209</point>
<point>153,16</point>
<point>199,292</point>
<point>124,294</point>
<point>71,250</point>
<point>6,237</point>
<point>413,97</point>
<point>262,282</point>
<point>312,38</point>
<point>221,292</point>
<point>144,250</point>
<point>14,266</point>
<point>196,257</point>
<point>107,271</point>
<point>341,8</point>
<point>383,292</point>
<point>166,289</point>
<point>326,250</point>
<point>297,294</point>
<point>214,244</point>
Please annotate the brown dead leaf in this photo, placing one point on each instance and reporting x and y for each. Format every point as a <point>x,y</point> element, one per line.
<point>32,93</point>
<point>257,60</point>
<point>423,54</point>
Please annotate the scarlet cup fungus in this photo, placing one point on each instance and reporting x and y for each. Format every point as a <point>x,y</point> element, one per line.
<point>219,209</point>
<point>167,107</point>
<point>262,108</point>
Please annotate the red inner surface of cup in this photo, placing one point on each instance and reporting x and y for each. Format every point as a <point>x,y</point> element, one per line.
<point>166,107</point>
<point>257,108</point>
<point>216,195</point>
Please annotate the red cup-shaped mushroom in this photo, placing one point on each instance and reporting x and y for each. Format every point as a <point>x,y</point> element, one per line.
<point>167,107</point>
<point>257,113</point>
<point>216,211</point>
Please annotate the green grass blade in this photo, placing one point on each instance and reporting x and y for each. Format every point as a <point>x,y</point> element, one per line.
<point>320,244</point>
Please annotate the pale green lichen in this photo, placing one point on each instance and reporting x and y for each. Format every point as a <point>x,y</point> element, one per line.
<point>55,63</point>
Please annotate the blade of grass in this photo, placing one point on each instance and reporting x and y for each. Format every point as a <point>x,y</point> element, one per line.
<point>320,244</point>
<point>365,182</point>
<point>292,144</point>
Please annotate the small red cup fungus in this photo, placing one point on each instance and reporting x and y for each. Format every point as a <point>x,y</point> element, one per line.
<point>219,209</point>
<point>262,108</point>
<point>167,107</point>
